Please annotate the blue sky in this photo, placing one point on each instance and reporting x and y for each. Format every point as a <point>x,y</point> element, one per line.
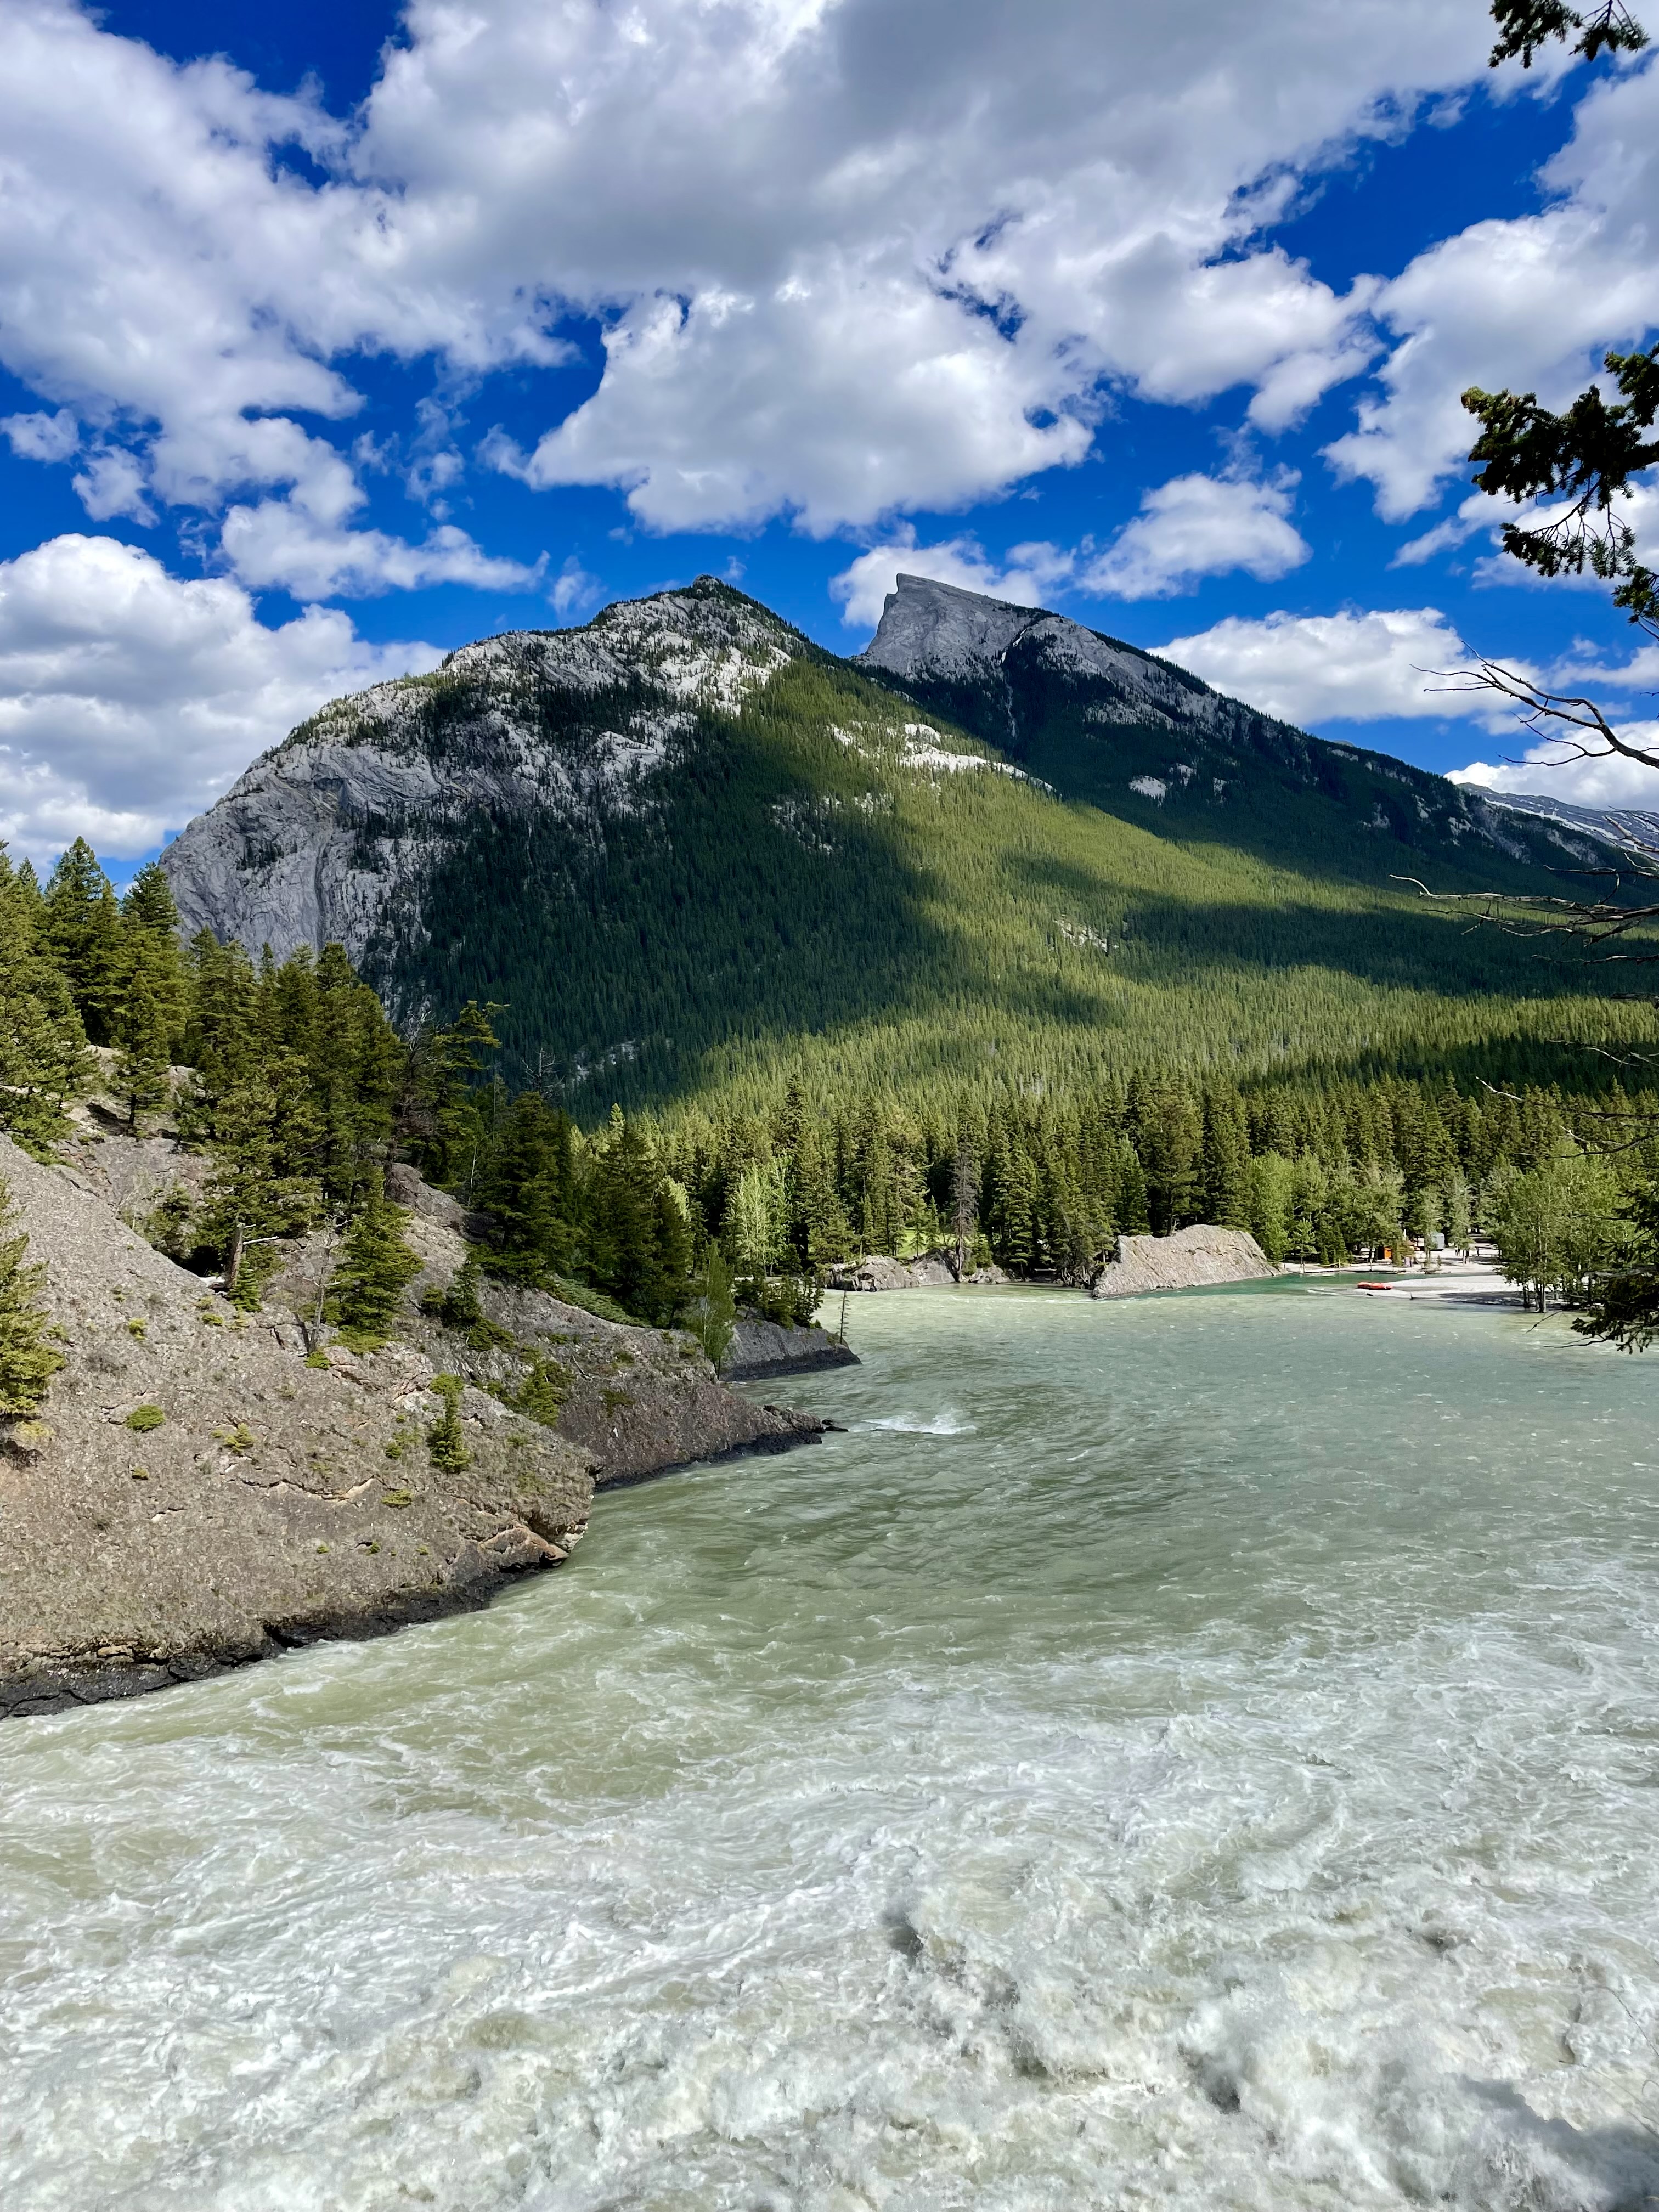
<point>389,329</point>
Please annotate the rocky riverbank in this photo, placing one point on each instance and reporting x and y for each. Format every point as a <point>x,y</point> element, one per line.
<point>761,1351</point>
<point>878,1271</point>
<point>203,1490</point>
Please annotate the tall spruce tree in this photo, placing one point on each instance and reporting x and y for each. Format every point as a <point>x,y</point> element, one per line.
<point>143,1054</point>
<point>638,1239</point>
<point>42,1057</point>
<point>354,1057</point>
<point>255,1197</point>
<point>529,1191</point>
<point>83,938</point>
<point>376,1267</point>
<point>29,1359</point>
<point>1226,1159</point>
<point>151,947</point>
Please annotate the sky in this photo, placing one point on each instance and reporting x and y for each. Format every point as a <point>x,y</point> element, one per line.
<point>332,338</point>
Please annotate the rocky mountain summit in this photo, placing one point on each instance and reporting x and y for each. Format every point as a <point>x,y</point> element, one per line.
<point>1614,825</point>
<point>977,656</point>
<point>1103,720</point>
<point>335,835</point>
<point>684,837</point>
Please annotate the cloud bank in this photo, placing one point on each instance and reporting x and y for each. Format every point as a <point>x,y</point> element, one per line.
<point>844,257</point>
<point>129,701</point>
<point>1349,667</point>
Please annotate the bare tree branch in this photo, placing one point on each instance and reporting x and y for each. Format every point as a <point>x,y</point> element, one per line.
<point>1540,707</point>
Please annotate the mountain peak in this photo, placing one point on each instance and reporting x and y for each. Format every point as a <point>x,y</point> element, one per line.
<point>942,629</point>
<point>695,640</point>
<point>972,657</point>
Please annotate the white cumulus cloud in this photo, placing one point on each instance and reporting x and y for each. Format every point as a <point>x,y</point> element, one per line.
<point>279,544</point>
<point>1191,527</point>
<point>41,437</point>
<point>847,256</point>
<point>1530,304</point>
<point>1195,527</point>
<point>130,699</point>
<point>1554,771</point>
<point>1348,667</point>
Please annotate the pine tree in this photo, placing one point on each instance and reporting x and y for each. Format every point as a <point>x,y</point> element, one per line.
<point>150,945</point>
<point>445,1438</point>
<point>82,937</point>
<point>670,1287</point>
<point>529,1190</point>
<point>638,1238</point>
<point>460,1305</point>
<point>1225,1160</point>
<point>752,1222</point>
<point>28,1360</point>
<point>818,1229</point>
<point>1270,1183</point>
<point>713,1312</point>
<point>42,1057</point>
<point>542,1392</point>
<point>436,1107</point>
<point>964,1200</point>
<point>252,1199</point>
<point>142,1056</point>
<point>376,1268</point>
<point>336,1024</point>
<point>1130,1206</point>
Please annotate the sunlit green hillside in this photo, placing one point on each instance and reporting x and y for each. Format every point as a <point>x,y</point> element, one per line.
<point>810,885</point>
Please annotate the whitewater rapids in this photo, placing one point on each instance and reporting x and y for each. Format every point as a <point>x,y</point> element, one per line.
<point>1201,1753</point>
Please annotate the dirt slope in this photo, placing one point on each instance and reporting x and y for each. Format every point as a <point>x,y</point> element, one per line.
<point>278,1501</point>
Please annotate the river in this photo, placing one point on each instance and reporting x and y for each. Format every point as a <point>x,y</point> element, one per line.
<point>1199,1752</point>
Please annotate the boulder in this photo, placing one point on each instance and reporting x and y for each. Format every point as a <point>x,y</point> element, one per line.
<point>877,1271</point>
<point>1181,1262</point>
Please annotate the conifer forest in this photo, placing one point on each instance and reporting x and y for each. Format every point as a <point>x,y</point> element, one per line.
<point>292,1082</point>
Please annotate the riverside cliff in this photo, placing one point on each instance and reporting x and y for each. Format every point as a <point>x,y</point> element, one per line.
<point>202,1491</point>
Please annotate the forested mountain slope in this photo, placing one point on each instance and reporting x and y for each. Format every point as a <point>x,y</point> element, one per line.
<point>1105,722</point>
<point>683,845</point>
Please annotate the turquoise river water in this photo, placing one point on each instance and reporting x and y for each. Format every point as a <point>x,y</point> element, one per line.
<point>1200,1752</point>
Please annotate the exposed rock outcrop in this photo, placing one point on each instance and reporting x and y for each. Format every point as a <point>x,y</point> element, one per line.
<point>333,835</point>
<point>1183,1261</point>
<point>1161,741</point>
<point>928,1270</point>
<point>938,634</point>
<point>760,1350</point>
<point>263,1497</point>
<point>877,1271</point>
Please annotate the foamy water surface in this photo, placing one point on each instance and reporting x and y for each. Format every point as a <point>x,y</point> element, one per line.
<point>1193,1752</point>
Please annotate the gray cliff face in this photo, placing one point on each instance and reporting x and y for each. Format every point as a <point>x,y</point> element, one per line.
<point>329,837</point>
<point>1160,738</point>
<point>938,630</point>
<point>1618,825</point>
<point>762,1350</point>
<point>938,634</point>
